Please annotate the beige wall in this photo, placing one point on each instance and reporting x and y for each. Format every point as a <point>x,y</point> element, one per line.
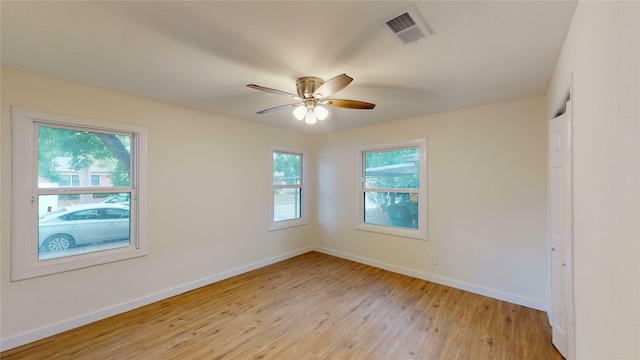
<point>487,200</point>
<point>208,194</point>
<point>602,50</point>
<point>487,204</point>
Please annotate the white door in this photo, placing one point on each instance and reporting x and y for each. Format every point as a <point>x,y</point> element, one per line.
<point>560,228</point>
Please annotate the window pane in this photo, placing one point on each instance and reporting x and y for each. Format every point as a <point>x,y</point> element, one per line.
<point>95,180</point>
<point>88,225</point>
<point>397,209</point>
<point>287,204</point>
<point>286,169</point>
<point>120,198</point>
<point>68,157</point>
<point>392,169</point>
<point>49,203</point>
<point>65,180</point>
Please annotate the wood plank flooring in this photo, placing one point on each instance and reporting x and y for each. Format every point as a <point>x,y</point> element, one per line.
<point>313,306</point>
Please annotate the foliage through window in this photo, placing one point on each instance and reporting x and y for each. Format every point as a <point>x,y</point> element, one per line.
<point>288,200</point>
<point>64,205</point>
<point>392,191</point>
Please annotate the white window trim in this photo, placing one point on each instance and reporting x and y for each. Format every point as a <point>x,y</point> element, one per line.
<point>24,239</point>
<point>422,231</point>
<point>278,225</point>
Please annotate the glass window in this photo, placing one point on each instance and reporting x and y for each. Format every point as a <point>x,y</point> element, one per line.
<point>95,180</point>
<point>392,188</point>
<point>121,198</point>
<point>75,220</point>
<point>69,180</point>
<point>288,200</point>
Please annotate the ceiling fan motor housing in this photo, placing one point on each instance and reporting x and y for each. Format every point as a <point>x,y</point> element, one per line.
<point>307,86</point>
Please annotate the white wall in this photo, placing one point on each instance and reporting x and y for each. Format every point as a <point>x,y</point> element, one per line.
<point>208,194</point>
<point>487,200</point>
<point>602,50</point>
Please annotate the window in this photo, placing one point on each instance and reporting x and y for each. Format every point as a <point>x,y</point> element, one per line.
<point>95,180</point>
<point>392,189</point>
<point>69,180</point>
<point>66,218</point>
<point>72,179</point>
<point>289,199</point>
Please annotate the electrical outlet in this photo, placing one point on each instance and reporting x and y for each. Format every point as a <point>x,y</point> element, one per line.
<point>217,259</point>
<point>433,260</point>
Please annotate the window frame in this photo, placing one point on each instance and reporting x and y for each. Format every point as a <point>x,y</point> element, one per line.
<point>304,198</point>
<point>422,231</point>
<point>24,240</point>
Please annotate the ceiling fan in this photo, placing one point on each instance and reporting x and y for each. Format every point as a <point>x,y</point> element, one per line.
<point>312,93</point>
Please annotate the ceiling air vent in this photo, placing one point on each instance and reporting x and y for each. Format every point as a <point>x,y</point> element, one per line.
<point>407,27</point>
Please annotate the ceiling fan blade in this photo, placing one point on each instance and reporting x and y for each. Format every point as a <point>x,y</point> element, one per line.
<point>349,104</point>
<point>278,108</point>
<point>332,86</point>
<point>274,91</point>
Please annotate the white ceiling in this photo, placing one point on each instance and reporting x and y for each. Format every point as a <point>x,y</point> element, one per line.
<point>202,54</point>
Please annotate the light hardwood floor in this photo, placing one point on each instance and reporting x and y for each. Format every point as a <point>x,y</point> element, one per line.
<point>313,306</point>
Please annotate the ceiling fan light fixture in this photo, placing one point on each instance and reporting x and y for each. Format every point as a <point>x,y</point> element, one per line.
<point>311,117</point>
<point>321,112</point>
<point>312,92</point>
<point>300,112</point>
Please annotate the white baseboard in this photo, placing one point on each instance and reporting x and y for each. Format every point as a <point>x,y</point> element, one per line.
<point>496,294</point>
<point>47,331</point>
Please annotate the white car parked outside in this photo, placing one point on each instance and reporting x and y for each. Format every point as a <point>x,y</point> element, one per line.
<point>83,224</point>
